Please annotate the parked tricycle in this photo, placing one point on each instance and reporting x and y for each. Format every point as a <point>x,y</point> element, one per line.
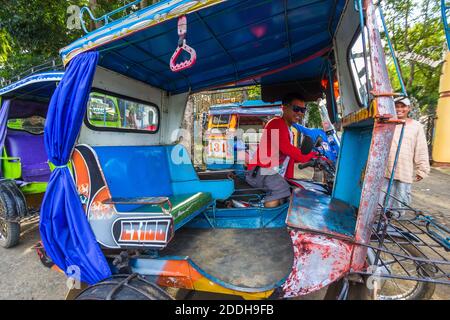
<point>134,216</point>
<point>234,131</point>
<point>24,167</point>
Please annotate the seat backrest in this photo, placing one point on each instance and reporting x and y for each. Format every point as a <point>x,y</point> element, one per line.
<point>30,149</point>
<point>135,171</point>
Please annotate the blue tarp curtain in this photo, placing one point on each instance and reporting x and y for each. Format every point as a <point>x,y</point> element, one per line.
<point>66,234</point>
<point>4,111</point>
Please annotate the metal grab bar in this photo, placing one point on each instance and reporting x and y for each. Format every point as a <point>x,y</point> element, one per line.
<point>50,65</point>
<point>444,8</point>
<point>106,17</point>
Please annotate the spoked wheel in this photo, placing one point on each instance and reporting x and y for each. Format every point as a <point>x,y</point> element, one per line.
<point>9,233</point>
<point>402,289</point>
<point>124,287</point>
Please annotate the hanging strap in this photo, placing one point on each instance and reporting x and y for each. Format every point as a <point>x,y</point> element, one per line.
<point>182,45</point>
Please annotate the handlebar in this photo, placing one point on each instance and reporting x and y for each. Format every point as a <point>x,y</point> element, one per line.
<point>310,163</point>
<point>320,163</point>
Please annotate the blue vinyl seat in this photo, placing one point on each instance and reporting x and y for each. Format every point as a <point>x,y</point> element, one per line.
<point>159,171</point>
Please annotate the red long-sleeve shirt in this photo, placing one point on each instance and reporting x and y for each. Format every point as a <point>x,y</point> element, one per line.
<point>275,145</point>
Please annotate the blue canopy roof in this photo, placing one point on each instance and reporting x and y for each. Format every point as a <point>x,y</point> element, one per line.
<point>38,87</point>
<point>237,42</point>
<point>248,107</point>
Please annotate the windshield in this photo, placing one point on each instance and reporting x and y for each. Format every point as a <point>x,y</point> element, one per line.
<point>220,121</point>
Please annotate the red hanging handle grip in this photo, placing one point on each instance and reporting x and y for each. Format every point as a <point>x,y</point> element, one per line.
<point>182,45</point>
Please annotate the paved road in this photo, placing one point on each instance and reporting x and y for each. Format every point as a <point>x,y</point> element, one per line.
<point>22,276</point>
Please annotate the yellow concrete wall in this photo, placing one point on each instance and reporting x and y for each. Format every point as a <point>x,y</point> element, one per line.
<point>441,142</point>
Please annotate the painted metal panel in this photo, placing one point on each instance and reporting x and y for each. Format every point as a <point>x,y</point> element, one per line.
<point>315,211</point>
<point>352,164</point>
<point>319,261</point>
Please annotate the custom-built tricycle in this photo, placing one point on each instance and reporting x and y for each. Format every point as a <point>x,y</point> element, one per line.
<point>234,131</point>
<point>135,207</point>
<point>24,167</point>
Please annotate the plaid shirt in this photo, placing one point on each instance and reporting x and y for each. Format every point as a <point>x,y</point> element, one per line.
<point>413,159</point>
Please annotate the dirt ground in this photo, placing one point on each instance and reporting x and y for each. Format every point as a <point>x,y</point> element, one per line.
<point>432,195</point>
<point>22,276</point>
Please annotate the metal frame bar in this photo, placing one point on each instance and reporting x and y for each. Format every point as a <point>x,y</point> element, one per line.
<point>391,49</point>
<point>50,65</point>
<point>286,25</point>
<point>444,9</point>
<point>331,85</point>
<point>213,35</point>
<point>330,22</point>
<point>106,17</point>
<point>391,181</point>
<point>363,39</point>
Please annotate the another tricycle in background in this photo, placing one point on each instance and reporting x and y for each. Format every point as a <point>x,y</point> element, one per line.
<point>234,131</point>
<point>25,170</point>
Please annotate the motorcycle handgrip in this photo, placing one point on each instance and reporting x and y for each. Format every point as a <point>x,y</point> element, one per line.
<point>310,163</point>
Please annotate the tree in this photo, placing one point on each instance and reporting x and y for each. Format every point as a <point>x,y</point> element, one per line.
<point>33,31</point>
<point>415,27</point>
<point>5,48</point>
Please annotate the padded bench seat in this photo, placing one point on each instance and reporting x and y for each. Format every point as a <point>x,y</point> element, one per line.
<point>122,189</point>
<point>30,149</point>
<point>184,207</point>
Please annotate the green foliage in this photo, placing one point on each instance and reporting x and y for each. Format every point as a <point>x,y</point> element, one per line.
<point>313,117</point>
<point>254,93</point>
<point>415,26</point>
<point>5,48</point>
<point>35,31</point>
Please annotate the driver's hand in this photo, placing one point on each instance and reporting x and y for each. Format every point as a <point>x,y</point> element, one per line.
<point>311,156</point>
<point>315,155</point>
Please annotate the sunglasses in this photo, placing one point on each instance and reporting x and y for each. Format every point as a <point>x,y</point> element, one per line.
<point>298,109</point>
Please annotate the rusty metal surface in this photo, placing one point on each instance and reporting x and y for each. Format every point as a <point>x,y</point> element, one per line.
<point>380,77</point>
<point>381,141</point>
<point>315,211</point>
<point>318,261</point>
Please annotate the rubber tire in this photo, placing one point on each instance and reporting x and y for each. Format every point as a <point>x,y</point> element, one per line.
<point>13,200</point>
<point>12,208</point>
<point>124,287</point>
<point>425,290</point>
<point>13,237</point>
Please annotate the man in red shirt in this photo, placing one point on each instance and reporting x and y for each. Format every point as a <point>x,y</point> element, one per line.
<point>276,154</point>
